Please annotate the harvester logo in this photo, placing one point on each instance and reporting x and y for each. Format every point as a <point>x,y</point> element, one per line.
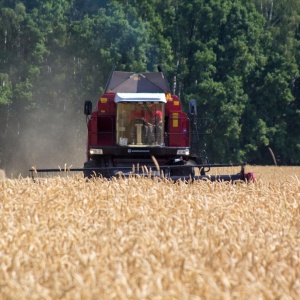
<point>138,151</point>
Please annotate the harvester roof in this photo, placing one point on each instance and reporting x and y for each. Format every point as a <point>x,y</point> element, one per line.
<point>130,82</point>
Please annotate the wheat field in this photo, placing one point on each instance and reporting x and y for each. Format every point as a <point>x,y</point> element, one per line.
<point>68,238</point>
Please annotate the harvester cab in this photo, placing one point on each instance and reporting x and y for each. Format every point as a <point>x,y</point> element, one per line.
<point>139,119</point>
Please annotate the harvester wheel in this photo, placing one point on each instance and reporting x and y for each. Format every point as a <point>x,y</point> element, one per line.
<point>89,173</point>
<point>185,172</point>
<point>191,170</point>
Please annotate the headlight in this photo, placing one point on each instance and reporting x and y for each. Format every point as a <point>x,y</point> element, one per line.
<point>183,152</point>
<point>96,151</point>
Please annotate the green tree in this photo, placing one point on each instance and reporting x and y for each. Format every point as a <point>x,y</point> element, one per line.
<point>219,50</point>
<point>275,85</point>
<point>239,59</point>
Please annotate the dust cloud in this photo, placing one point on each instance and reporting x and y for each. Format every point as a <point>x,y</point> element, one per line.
<point>48,140</point>
<point>2,175</point>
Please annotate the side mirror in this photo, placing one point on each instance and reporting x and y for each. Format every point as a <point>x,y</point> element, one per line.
<point>193,107</point>
<point>88,106</point>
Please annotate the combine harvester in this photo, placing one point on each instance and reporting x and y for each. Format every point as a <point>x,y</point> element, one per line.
<point>139,129</point>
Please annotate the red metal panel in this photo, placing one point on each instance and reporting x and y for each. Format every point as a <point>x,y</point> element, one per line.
<point>178,130</point>
<point>105,117</point>
<point>92,139</point>
<point>107,105</point>
<point>173,104</point>
<point>106,133</point>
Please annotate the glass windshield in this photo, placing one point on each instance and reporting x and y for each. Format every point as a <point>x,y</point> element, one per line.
<point>140,124</point>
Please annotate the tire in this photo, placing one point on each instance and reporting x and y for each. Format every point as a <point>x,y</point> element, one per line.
<point>90,173</point>
<point>190,171</point>
<point>185,172</point>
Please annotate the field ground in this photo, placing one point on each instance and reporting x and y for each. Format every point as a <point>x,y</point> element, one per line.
<point>66,238</point>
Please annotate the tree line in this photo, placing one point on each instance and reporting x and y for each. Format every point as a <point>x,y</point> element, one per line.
<point>238,59</point>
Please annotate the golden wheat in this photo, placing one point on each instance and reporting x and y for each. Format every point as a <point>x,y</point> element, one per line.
<point>68,238</point>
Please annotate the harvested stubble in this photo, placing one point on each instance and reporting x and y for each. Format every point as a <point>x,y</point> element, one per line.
<point>143,239</point>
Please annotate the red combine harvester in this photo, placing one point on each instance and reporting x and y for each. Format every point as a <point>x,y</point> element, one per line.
<point>139,128</point>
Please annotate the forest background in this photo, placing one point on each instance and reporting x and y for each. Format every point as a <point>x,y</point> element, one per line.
<point>239,59</point>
